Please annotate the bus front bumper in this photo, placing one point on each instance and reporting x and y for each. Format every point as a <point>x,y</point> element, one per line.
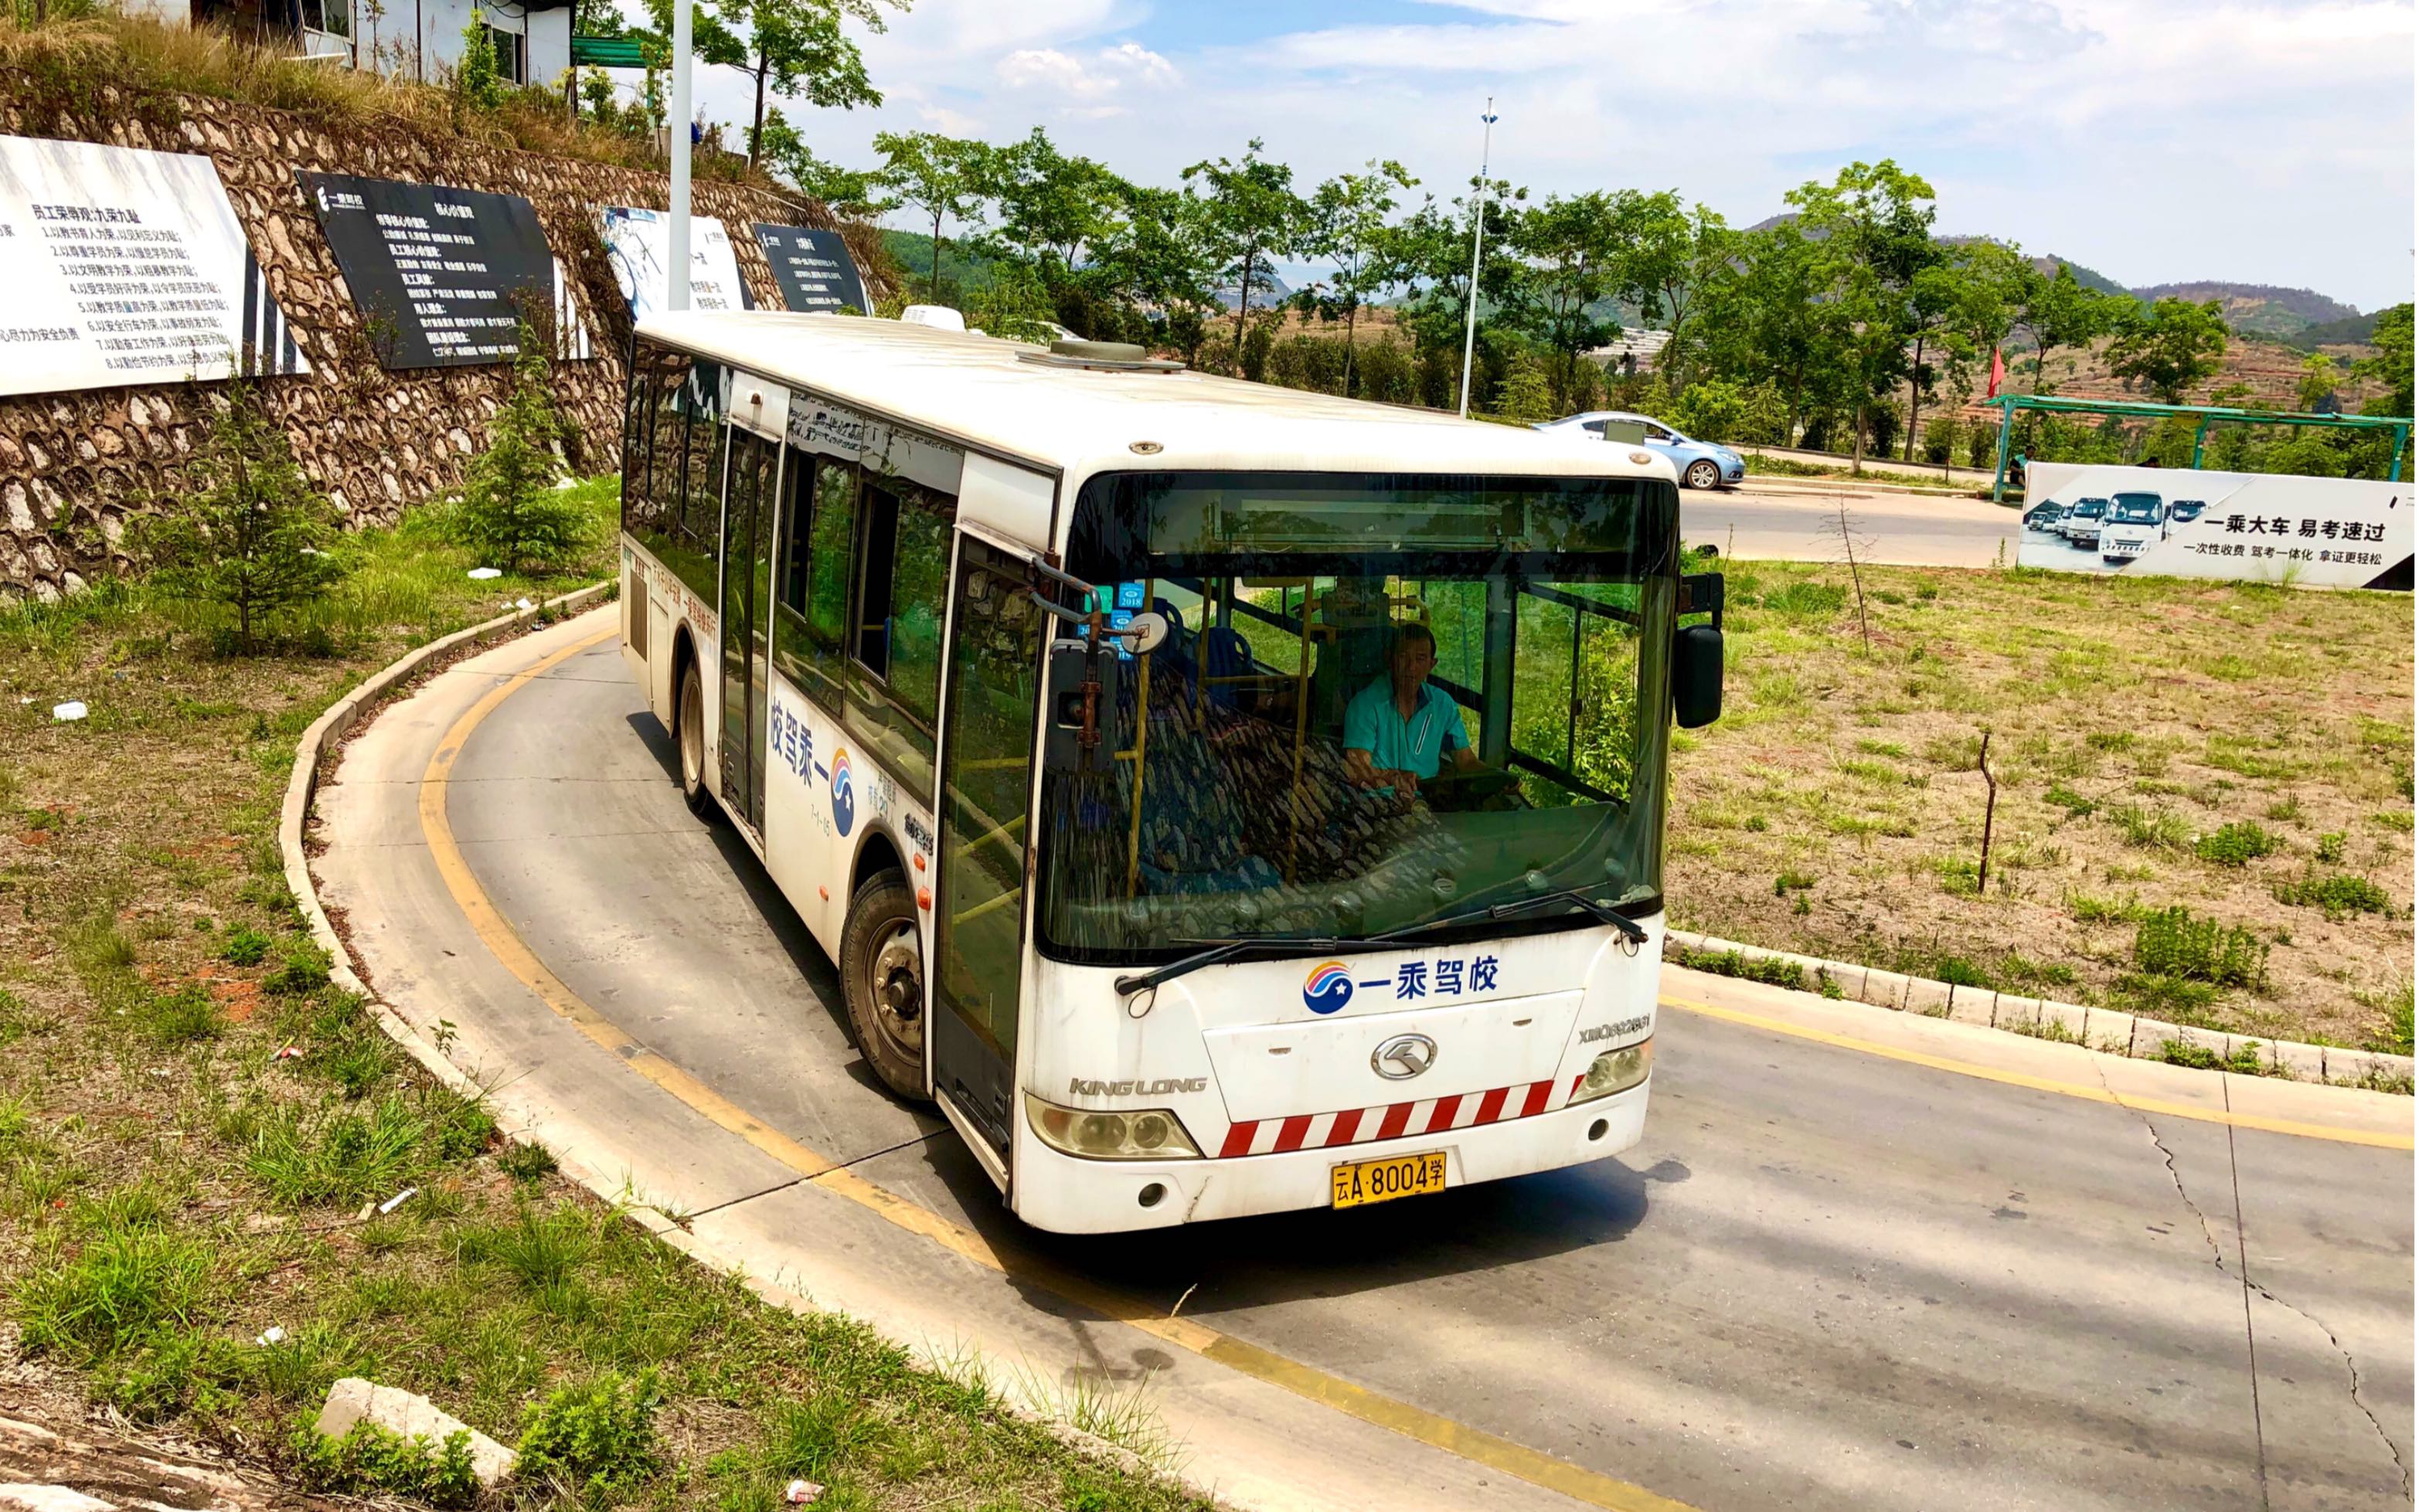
<point>1062,1194</point>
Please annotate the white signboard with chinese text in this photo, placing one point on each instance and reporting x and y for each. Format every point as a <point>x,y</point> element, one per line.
<point>122,267</point>
<point>2319,533</point>
<point>639,242</point>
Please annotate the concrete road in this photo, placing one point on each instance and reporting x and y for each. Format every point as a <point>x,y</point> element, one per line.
<point>1803,525</point>
<point>1862,1260</point>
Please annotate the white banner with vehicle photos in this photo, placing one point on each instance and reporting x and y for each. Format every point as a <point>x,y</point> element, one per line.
<point>2267,527</point>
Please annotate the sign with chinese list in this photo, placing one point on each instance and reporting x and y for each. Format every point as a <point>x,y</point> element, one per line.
<point>119,265</point>
<point>813,268</point>
<point>2314,532</point>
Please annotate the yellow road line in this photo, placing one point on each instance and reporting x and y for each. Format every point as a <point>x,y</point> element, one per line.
<point>504,943</point>
<point>2065,1088</point>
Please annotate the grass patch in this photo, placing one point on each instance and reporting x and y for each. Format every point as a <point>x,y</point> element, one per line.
<point>2337,894</point>
<point>2236,844</point>
<point>157,1225</point>
<point>2176,942</point>
<point>1738,964</point>
<point>2243,1060</point>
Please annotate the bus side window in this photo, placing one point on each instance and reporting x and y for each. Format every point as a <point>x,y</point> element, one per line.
<point>904,571</point>
<point>811,589</point>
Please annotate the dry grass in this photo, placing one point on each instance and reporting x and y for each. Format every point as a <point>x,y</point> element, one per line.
<point>105,66</point>
<point>2133,721</point>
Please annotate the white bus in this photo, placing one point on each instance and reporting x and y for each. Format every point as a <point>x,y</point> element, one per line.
<point>1075,702</point>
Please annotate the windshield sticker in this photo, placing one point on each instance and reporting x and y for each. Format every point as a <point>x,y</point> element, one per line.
<point>1330,986</point>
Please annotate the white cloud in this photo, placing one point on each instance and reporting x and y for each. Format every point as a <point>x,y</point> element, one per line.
<point>2267,140</point>
<point>1085,86</point>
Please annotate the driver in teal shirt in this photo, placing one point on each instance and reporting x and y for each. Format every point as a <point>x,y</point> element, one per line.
<point>1399,729</point>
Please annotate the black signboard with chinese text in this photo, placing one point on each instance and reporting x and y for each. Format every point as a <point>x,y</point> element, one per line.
<point>443,277</point>
<point>812,268</point>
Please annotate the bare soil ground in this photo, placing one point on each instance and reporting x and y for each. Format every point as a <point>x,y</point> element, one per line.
<point>1836,810</point>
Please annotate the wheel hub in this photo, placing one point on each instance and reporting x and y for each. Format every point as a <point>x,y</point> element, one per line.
<point>897,973</point>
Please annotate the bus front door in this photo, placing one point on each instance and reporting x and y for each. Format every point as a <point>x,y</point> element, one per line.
<point>988,723</point>
<point>747,609</point>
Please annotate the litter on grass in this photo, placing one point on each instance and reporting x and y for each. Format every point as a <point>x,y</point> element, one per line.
<point>803,1493</point>
<point>479,574</point>
<point>73,709</point>
<point>272,1334</point>
<point>399,1200</point>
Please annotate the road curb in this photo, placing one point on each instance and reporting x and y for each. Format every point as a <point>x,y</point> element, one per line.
<point>1782,483</point>
<point>2100,1030</point>
<point>301,790</point>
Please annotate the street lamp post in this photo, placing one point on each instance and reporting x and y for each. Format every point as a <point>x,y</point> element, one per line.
<point>1477,240</point>
<point>676,276</point>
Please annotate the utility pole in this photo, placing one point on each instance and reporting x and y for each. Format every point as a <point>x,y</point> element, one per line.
<point>1477,240</point>
<point>676,276</point>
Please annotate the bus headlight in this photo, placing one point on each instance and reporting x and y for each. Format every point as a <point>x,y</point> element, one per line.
<point>1150,1134</point>
<point>1615,1071</point>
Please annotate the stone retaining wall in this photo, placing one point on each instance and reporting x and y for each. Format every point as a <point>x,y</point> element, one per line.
<point>74,465</point>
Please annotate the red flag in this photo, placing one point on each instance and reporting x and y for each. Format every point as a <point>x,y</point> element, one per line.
<point>1998,373</point>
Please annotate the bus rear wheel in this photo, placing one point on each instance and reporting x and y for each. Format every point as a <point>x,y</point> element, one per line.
<point>882,976</point>
<point>690,737</point>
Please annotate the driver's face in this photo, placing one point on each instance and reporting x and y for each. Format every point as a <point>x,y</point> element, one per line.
<point>1413,661</point>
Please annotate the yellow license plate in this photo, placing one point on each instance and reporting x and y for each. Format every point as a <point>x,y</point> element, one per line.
<point>1382,1181</point>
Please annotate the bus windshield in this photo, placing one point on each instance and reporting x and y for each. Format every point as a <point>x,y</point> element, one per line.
<point>1383,701</point>
<point>2134,509</point>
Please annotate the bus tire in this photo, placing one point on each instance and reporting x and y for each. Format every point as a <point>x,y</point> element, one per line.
<point>882,978</point>
<point>688,735</point>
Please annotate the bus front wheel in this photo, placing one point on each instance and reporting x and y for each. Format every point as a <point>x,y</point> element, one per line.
<point>882,976</point>
<point>690,737</point>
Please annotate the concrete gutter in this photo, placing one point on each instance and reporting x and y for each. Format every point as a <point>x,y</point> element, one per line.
<point>2103,1030</point>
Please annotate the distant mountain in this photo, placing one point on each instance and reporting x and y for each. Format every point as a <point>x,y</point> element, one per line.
<point>2335,332</point>
<point>1277,292</point>
<point>2259,309</point>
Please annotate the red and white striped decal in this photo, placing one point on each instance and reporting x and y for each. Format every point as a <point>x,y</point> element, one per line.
<point>1389,1121</point>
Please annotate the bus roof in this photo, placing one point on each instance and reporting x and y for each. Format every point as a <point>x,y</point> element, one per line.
<point>990,395</point>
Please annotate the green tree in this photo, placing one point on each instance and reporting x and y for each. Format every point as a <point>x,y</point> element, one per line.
<point>785,47</point>
<point>2320,376</point>
<point>2390,367</point>
<point>1875,225</point>
<point>512,514</point>
<point>1574,255</point>
<point>477,82</point>
<point>2055,310</point>
<point>1157,253</point>
<point>252,536</point>
<point>1671,257</point>
<point>2174,347</point>
<point>1049,207</point>
<point>1252,217</point>
<point>850,192</point>
<point>1349,227</point>
<point>943,177</point>
<point>1431,248</point>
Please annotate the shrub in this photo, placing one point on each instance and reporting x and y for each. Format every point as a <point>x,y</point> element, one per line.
<point>2338,895</point>
<point>2061,796</point>
<point>2331,846</point>
<point>595,1439</point>
<point>2157,829</point>
<point>511,515</point>
<point>2234,844</point>
<point>2163,997</point>
<point>2174,942</point>
<point>342,1156</point>
<point>1787,883</point>
<point>370,1458</point>
<point>187,1014</point>
<point>1710,409</point>
<point>305,971</point>
<point>1736,964</point>
<point>250,538</point>
<point>244,945</point>
<point>119,1287</point>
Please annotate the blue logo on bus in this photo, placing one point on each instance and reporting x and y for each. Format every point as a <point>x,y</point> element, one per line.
<point>844,792</point>
<point>1329,988</point>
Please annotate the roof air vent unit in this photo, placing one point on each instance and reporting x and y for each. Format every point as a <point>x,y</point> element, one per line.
<point>1109,357</point>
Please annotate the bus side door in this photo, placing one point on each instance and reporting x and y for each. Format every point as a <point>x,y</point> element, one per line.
<point>992,704</point>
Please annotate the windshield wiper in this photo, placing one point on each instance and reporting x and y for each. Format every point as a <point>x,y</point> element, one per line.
<point>1578,897</point>
<point>1227,949</point>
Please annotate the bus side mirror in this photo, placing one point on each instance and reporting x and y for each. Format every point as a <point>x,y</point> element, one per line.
<point>1073,711</point>
<point>1696,676</point>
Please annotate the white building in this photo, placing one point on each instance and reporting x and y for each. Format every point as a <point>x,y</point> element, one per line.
<point>411,38</point>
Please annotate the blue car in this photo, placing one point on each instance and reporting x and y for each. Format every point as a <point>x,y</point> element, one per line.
<point>1700,464</point>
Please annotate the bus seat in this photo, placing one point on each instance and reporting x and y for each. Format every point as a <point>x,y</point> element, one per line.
<point>1225,653</point>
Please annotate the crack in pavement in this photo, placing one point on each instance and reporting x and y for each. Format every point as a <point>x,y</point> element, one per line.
<point>2242,1273</point>
<point>2217,1259</point>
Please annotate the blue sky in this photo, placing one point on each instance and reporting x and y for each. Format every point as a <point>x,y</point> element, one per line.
<point>2154,139</point>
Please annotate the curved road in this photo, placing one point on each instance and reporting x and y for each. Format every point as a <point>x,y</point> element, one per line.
<point>1860,1261</point>
<point>1798,520</point>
